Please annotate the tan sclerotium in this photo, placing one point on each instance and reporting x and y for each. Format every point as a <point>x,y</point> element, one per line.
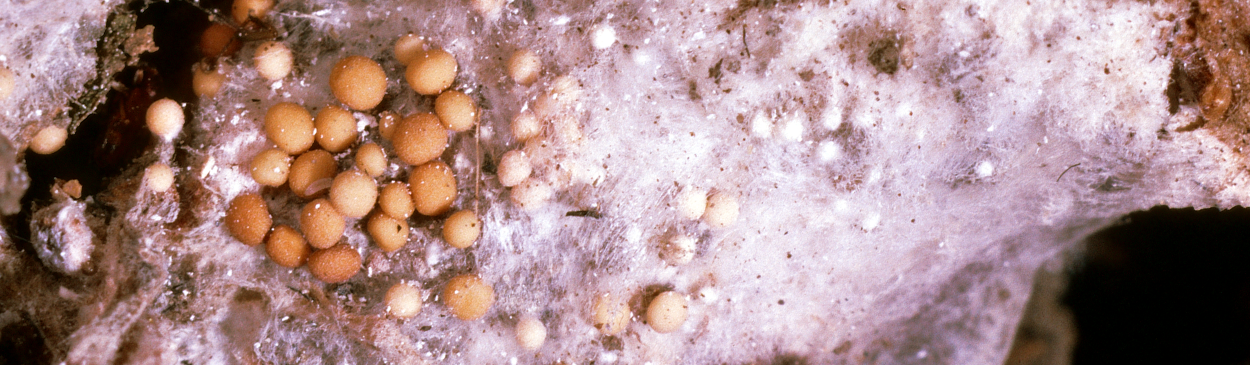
<point>514,168</point>
<point>396,200</point>
<point>456,110</point>
<point>287,247</point>
<point>468,297</point>
<point>530,333</point>
<point>165,119</point>
<point>678,249</point>
<point>431,72</point>
<point>335,264</point>
<point>433,188</point>
<point>248,219</point>
<point>371,159</point>
<point>243,9</point>
<point>219,40</point>
<point>531,194</point>
<point>667,312</point>
<point>722,210</point>
<point>611,315</point>
<point>353,193</point>
<point>408,47</point>
<point>524,66</point>
<point>205,81</point>
<point>525,125</point>
<point>691,202</point>
<point>322,225</point>
<point>462,228</point>
<point>48,140</point>
<point>336,128</point>
<point>8,82</point>
<point>289,126</point>
<point>404,300</point>
<point>312,173</point>
<point>389,233</point>
<point>273,60</point>
<point>387,121</point>
<point>158,177</point>
<point>358,82</point>
<point>419,138</point>
<point>271,167</point>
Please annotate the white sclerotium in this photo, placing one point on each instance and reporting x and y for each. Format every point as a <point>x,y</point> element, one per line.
<point>159,177</point>
<point>985,169</point>
<point>530,332</point>
<point>603,37</point>
<point>678,249</point>
<point>525,125</point>
<point>761,126</point>
<point>829,151</point>
<point>722,210</point>
<point>691,202</point>
<point>793,128</point>
<point>514,167</point>
<point>274,60</point>
<point>531,194</point>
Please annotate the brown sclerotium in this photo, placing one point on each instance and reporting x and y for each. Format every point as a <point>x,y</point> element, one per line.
<point>433,188</point>
<point>312,173</point>
<point>205,80</point>
<point>387,121</point>
<point>388,232</point>
<point>462,228</point>
<point>353,193</point>
<point>468,297</point>
<point>322,225</point>
<point>419,138</point>
<point>335,264</point>
<point>242,10</point>
<point>271,167</point>
<point>358,82</point>
<point>396,200</point>
<point>287,247</point>
<point>371,159</point>
<point>219,40</point>
<point>456,110</point>
<point>289,126</point>
<point>431,72</point>
<point>408,47</point>
<point>335,129</point>
<point>248,219</point>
